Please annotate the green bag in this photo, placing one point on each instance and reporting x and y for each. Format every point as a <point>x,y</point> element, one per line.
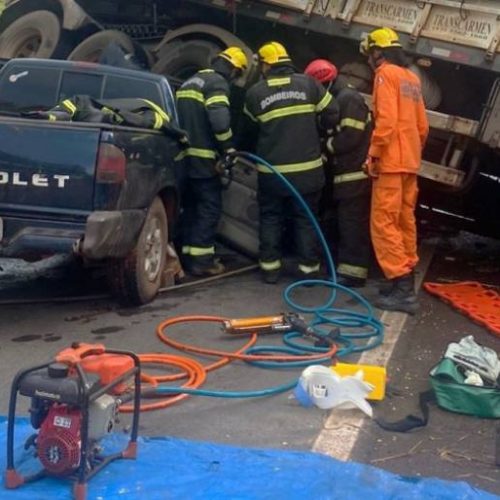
<point>453,395</point>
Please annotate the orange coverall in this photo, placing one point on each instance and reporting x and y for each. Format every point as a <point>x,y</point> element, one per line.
<point>401,129</point>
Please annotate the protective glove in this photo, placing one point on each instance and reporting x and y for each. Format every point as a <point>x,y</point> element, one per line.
<point>371,167</point>
<point>184,141</point>
<point>225,164</point>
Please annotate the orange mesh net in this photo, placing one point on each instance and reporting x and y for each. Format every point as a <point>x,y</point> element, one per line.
<point>473,299</point>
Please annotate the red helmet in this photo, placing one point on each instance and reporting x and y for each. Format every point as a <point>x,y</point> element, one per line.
<point>322,70</point>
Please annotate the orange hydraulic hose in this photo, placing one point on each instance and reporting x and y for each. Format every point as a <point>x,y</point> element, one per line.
<point>195,372</point>
<point>160,331</point>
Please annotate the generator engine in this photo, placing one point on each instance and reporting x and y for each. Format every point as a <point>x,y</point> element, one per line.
<point>75,401</point>
<point>59,440</point>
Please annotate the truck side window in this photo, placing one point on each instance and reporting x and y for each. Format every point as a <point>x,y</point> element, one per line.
<point>23,89</point>
<point>75,83</point>
<point>117,87</point>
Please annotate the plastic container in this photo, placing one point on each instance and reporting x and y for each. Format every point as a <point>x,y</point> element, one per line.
<point>374,375</point>
<point>325,389</point>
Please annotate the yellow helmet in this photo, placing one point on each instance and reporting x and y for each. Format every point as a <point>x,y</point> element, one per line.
<point>273,53</point>
<point>381,38</point>
<point>236,57</point>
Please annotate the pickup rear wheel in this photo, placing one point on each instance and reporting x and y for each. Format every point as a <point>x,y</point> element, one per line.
<point>136,279</point>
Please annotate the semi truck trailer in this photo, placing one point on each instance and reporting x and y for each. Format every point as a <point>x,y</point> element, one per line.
<point>454,47</point>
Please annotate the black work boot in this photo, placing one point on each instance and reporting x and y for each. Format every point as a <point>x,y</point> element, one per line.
<point>385,287</point>
<point>205,269</point>
<point>271,277</point>
<point>351,281</point>
<point>402,297</point>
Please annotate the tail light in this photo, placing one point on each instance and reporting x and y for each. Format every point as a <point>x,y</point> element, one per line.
<point>111,163</point>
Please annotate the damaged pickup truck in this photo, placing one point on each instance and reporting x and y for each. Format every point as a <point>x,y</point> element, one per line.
<point>106,192</point>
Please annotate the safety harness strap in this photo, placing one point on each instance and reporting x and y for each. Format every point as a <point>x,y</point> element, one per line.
<point>411,421</point>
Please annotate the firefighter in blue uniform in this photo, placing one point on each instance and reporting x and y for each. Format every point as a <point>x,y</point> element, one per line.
<point>347,152</point>
<point>282,112</point>
<point>204,112</point>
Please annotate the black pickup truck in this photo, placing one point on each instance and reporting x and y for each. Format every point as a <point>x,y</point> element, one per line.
<point>105,192</point>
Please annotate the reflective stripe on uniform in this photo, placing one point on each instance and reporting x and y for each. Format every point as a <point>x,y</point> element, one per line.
<point>206,71</point>
<point>198,152</point>
<point>271,265</point>
<point>224,136</point>
<point>158,110</point>
<point>217,99</point>
<point>352,271</point>
<point>201,251</point>
<point>190,94</point>
<point>186,250</point>
<point>246,112</point>
<point>352,176</point>
<point>357,124</point>
<point>114,114</point>
<point>276,82</point>
<point>69,106</point>
<point>327,99</point>
<point>158,121</point>
<point>52,117</point>
<point>292,167</point>
<point>308,269</point>
<point>298,109</point>
<point>351,122</point>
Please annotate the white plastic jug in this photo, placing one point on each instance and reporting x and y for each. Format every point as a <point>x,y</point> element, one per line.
<point>325,389</point>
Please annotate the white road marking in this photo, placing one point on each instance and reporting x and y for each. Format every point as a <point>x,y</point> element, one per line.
<point>341,428</point>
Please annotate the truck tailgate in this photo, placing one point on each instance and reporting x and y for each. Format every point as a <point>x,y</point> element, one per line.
<point>47,167</point>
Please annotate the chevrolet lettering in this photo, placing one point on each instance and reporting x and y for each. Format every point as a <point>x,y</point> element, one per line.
<point>35,180</point>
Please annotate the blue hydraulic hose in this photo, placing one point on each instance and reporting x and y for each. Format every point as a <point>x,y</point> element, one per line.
<point>349,326</point>
<point>360,325</point>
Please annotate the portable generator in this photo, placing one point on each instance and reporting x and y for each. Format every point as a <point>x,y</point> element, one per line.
<point>75,400</point>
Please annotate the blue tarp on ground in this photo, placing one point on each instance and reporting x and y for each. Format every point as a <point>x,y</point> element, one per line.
<point>168,468</point>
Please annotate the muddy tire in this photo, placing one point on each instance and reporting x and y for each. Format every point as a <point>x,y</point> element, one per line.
<point>182,60</point>
<point>37,34</point>
<point>136,279</point>
<point>91,48</point>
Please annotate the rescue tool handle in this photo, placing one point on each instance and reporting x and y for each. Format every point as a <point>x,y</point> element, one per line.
<point>77,352</point>
<point>253,322</point>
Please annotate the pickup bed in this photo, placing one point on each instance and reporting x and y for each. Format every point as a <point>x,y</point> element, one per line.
<point>107,193</point>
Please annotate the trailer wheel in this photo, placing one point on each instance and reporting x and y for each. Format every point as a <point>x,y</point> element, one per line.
<point>36,34</point>
<point>183,59</point>
<point>136,278</point>
<point>91,48</point>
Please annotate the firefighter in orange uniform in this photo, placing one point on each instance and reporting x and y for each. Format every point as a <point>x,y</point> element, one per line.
<point>394,157</point>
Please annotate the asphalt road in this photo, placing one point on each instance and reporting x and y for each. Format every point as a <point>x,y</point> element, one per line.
<point>452,446</point>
